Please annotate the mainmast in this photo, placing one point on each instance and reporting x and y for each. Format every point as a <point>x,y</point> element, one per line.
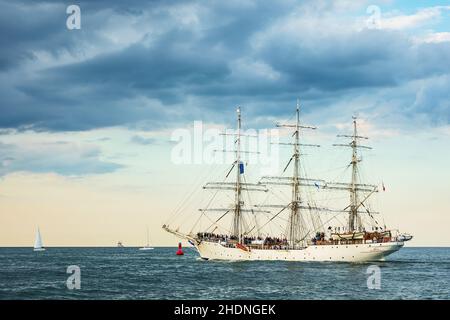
<point>294,236</point>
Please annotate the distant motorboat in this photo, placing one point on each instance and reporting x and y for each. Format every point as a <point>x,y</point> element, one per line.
<point>147,247</point>
<point>38,246</point>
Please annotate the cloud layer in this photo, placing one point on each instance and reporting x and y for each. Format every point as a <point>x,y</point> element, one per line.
<point>161,64</point>
<point>158,65</point>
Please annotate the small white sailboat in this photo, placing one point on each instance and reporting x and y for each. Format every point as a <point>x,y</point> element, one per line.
<point>147,247</point>
<point>38,242</point>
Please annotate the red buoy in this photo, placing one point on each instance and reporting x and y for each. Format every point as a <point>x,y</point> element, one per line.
<point>179,251</point>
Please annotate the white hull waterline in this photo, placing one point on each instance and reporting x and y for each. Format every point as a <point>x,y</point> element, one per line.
<point>344,253</point>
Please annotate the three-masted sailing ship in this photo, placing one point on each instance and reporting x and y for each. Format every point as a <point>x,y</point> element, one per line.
<point>306,236</point>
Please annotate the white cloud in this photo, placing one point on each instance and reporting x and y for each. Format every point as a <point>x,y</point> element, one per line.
<point>399,22</point>
<point>436,37</point>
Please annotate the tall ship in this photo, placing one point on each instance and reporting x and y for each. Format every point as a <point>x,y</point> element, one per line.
<point>307,231</point>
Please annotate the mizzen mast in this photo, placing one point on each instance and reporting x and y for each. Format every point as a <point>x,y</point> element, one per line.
<point>354,220</point>
<point>353,194</point>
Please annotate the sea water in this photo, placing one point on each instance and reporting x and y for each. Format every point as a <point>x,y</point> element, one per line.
<point>127,273</point>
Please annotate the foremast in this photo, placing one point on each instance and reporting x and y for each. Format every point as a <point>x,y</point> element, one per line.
<point>237,219</point>
<point>238,229</point>
<point>295,212</point>
<point>238,208</point>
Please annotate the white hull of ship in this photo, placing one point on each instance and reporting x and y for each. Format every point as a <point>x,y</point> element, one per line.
<point>342,252</point>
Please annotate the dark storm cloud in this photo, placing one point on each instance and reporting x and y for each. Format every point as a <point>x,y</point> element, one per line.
<point>190,60</point>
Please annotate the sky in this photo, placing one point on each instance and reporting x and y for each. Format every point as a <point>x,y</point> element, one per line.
<point>87,115</point>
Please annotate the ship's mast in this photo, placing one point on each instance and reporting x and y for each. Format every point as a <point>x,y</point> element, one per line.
<point>295,181</point>
<point>353,193</point>
<point>294,217</point>
<point>237,230</point>
<point>238,186</point>
<point>354,187</point>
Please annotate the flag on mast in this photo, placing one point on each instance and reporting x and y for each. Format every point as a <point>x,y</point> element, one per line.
<point>241,168</point>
